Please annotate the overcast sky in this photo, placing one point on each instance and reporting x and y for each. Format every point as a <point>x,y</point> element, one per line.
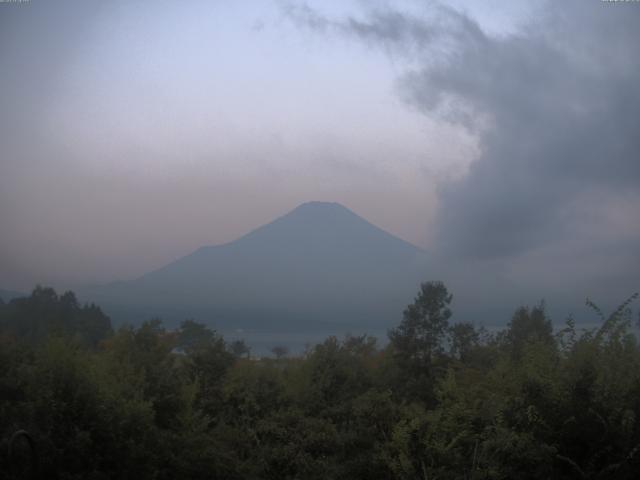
<point>504,135</point>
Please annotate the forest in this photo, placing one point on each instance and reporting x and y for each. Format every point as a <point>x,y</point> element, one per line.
<point>440,400</point>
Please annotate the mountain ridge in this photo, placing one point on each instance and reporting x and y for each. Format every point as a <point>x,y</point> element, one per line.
<point>319,260</point>
<point>8,295</point>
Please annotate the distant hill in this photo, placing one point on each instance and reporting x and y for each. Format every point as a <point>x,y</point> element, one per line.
<point>7,295</point>
<point>319,263</point>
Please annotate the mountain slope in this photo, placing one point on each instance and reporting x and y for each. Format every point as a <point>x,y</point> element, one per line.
<point>7,295</point>
<point>320,262</point>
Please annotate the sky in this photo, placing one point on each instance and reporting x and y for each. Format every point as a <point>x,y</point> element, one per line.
<point>504,137</point>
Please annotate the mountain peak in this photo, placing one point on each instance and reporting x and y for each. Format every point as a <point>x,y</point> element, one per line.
<point>316,204</point>
<point>316,210</point>
<point>324,227</point>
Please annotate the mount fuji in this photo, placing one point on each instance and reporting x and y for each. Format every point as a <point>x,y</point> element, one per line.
<point>318,264</point>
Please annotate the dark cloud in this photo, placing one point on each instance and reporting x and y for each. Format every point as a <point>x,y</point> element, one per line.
<point>398,32</point>
<point>551,207</point>
<point>555,107</point>
<point>562,123</point>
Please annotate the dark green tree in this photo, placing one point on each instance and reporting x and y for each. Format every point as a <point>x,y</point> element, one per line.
<point>194,336</point>
<point>418,341</point>
<point>463,340</point>
<point>240,348</point>
<point>32,319</point>
<point>529,326</point>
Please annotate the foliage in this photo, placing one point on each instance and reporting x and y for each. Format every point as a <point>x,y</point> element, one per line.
<point>440,401</point>
<point>44,313</point>
<point>417,343</point>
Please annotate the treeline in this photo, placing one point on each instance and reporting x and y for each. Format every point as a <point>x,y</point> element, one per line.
<point>442,400</point>
<point>44,313</point>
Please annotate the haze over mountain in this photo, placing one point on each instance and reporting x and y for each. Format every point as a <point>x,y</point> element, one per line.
<point>6,295</point>
<point>320,263</point>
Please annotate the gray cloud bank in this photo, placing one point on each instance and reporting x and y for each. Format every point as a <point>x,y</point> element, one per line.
<point>554,199</point>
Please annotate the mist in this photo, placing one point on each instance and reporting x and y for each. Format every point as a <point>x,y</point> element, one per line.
<point>501,141</point>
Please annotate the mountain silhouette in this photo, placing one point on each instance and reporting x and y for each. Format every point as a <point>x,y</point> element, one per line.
<point>318,263</point>
<point>7,295</point>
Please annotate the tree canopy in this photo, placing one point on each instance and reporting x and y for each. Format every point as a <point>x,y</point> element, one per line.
<point>440,400</point>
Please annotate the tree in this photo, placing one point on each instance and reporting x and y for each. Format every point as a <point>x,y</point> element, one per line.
<point>463,339</point>
<point>240,349</point>
<point>280,351</point>
<point>529,326</point>
<point>44,313</point>
<point>419,337</point>
<point>194,336</point>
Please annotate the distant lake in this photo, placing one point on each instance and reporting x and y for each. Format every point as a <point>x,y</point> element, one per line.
<point>262,341</point>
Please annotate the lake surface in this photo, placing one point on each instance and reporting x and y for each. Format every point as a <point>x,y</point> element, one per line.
<point>262,341</point>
